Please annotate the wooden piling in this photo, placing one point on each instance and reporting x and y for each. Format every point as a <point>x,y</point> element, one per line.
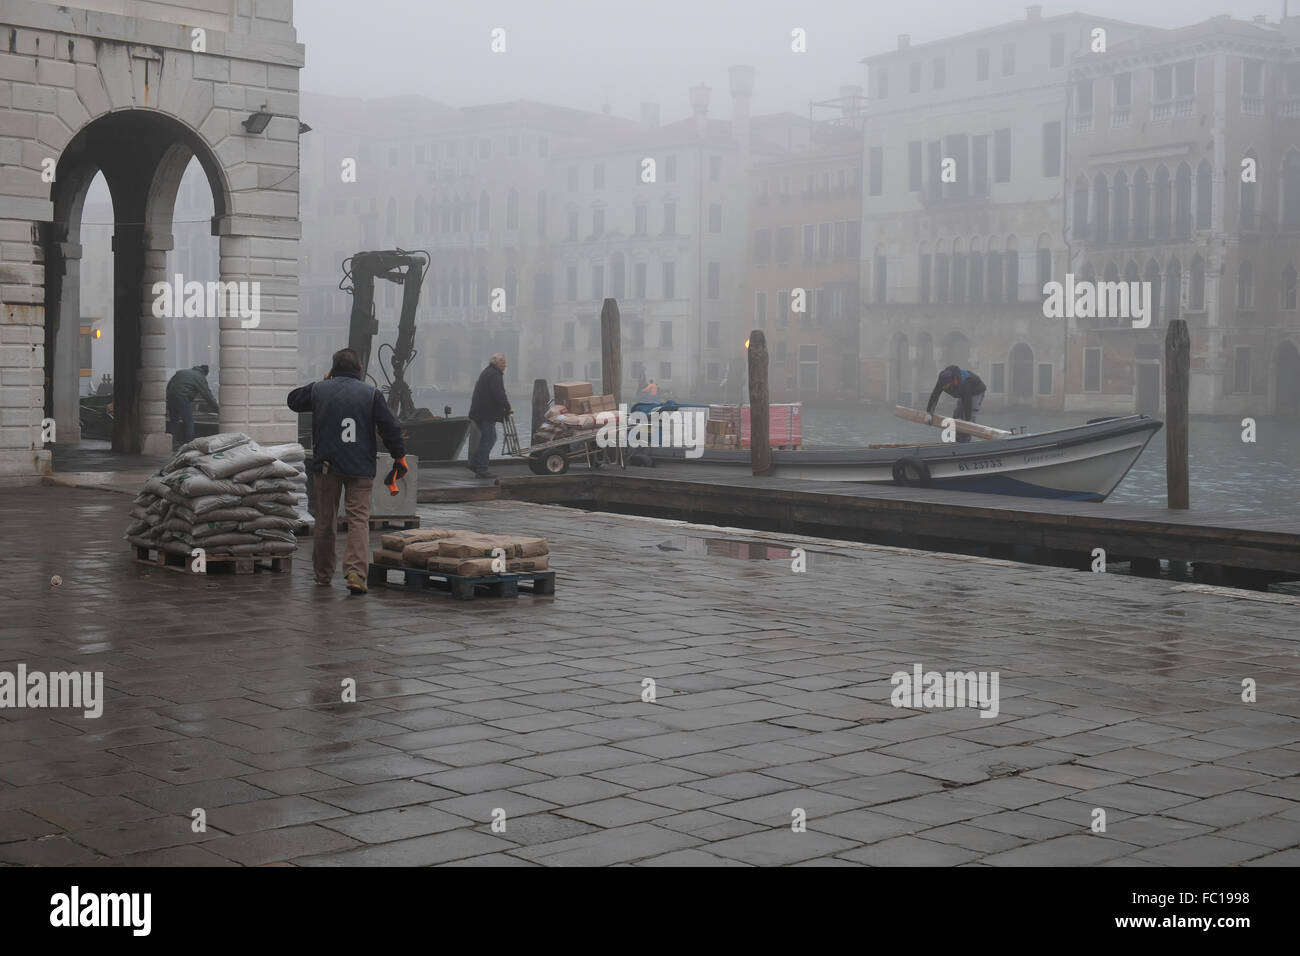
<point>611,351</point>
<point>760,447</point>
<point>1178,365</point>
<point>541,401</point>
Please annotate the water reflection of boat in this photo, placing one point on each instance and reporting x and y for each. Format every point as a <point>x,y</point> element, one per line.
<point>1077,463</point>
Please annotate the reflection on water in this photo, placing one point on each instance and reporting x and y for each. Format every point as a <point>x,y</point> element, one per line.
<point>1227,474</point>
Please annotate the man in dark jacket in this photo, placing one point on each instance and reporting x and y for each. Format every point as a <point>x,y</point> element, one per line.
<point>488,406</point>
<point>345,411</point>
<point>182,389</point>
<point>963,385</point>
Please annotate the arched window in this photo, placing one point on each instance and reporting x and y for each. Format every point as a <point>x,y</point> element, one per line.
<point>1173,288</point>
<point>512,209</point>
<point>1245,285</point>
<point>1101,208</point>
<point>1196,288</point>
<point>1131,273</point>
<point>923,273</point>
<point>1043,262</point>
<point>1204,190</point>
<point>958,272</point>
<point>1154,280</point>
<point>484,287</point>
<point>1080,208</point>
<point>976,272</point>
<point>1012,286</point>
<point>1141,206</point>
<point>994,272</point>
<point>1119,216</point>
<point>941,270</point>
<point>1110,274</point>
<point>1162,197</point>
<point>1183,201</point>
<point>511,286</point>
<point>617,275</point>
<point>1290,292</point>
<point>1291,191</point>
<point>484,212</point>
<point>1022,372</point>
<point>1249,200</point>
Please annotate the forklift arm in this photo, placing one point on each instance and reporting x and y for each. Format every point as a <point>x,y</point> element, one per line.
<point>395,265</point>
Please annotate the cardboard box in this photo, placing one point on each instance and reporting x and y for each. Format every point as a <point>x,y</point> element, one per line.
<point>567,392</point>
<point>581,406</point>
<point>604,403</point>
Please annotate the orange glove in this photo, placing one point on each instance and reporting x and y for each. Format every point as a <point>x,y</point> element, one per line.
<point>398,470</point>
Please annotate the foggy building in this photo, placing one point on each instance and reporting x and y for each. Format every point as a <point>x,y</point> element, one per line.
<point>963,211</point>
<point>805,234</point>
<point>1184,172</point>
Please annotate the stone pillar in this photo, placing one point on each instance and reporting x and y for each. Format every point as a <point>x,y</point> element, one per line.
<point>66,372</point>
<point>154,372</point>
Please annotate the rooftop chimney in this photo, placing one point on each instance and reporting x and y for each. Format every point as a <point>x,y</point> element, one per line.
<point>649,116</point>
<point>700,107</point>
<point>904,41</point>
<point>1034,11</point>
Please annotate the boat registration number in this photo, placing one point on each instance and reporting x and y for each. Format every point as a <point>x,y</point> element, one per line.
<point>980,464</point>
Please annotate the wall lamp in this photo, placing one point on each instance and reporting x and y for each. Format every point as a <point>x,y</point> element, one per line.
<point>258,122</point>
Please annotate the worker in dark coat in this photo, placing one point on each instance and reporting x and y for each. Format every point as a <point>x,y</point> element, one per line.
<point>182,389</point>
<point>488,406</point>
<point>345,412</point>
<point>963,385</point>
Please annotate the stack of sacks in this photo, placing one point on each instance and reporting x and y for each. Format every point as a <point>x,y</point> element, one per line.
<point>225,494</point>
<point>560,423</point>
<point>464,553</point>
<point>294,454</point>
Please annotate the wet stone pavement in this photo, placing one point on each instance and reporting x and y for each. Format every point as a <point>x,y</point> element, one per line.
<point>223,694</point>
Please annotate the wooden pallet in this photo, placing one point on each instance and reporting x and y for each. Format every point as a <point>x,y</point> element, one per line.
<point>215,563</point>
<point>377,523</point>
<point>463,588</point>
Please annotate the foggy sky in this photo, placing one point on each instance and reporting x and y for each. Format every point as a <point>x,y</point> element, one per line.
<point>586,53</point>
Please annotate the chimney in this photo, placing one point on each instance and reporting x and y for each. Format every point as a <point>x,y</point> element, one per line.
<point>700,107</point>
<point>649,116</point>
<point>742,88</point>
<point>904,41</point>
<point>1034,11</point>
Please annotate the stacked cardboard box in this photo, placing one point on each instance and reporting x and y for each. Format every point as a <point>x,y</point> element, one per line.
<point>592,404</point>
<point>720,428</point>
<point>785,426</point>
<point>566,393</point>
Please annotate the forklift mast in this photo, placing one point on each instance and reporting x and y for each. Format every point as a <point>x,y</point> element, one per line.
<point>406,269</point>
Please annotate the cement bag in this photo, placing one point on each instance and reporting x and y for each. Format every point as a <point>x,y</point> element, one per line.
<point>290,452</point>
<point>212,528</point>
<point>137,512</point>
<point>263,485</point>
<point>136,528</point>
<point>230,537</point>
<point>465,545</point>
<point>231,461</point>
<point>194,484</point>
<point>264,547</point>
<point>391,559</point>
<point>539,563</point>
<point>212,502</point>
<point>417,555</point>
<point>268,521</point>
<point>210,444</point>
<point>269,497</point>
<point>272,469</point>
<point>466,568</point>
<point>397,540</point>
<point>242,513</point>
<point>181,462</point>
<point>576,421</point>
<point>481,546</point>
<point>277,534</point>
<point>275,508</point>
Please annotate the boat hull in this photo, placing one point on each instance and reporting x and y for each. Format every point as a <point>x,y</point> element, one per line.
<point>1082,463</point>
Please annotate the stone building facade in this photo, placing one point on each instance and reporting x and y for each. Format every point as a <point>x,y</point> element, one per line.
<point>137,95</point>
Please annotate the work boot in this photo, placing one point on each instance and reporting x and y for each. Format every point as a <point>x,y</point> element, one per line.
<point>322,582</point>
<point>356,583</point>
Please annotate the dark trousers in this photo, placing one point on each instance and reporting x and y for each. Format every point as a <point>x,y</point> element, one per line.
<point>487,437</point>
<point>967,410</point>
<point>181,415</point>
<point>356,503</point>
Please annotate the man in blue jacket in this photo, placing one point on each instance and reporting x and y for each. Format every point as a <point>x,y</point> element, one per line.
<point>963,385</point>
<point>488,406</point>
<point>345,411</point>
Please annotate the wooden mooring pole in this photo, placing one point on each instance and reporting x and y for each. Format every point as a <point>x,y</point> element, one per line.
<point>611,351</point>
<point>760,436</point>
<point>1178,367</point>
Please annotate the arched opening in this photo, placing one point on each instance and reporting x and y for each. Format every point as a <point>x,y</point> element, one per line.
<point>1287,365</point>
<point>926,370</point>
<point>1162,197</point>
<point>1013,270</point>
<point>941,270</point>
<point>143,160</point>
<point>1119,217</point>
<point>899,366</point>
<point>512,209</point>
<point>512,286</point>
<point>1183,201</point>
<point>976,272</point>
<point>617,275</point>
<point>1173,288</point>
<point>1153,279</point>
<point>1022,373</point>
<point>484,287</point>
<point>1141,206</point>
<point>1196,288</point>
<point>1204,191</point>
<point>958,272</point>
<point>1111,274</point>
<point>1101,204</point>
<point>924,273</point>
<point>1080,230</point>
<point>955,350</point>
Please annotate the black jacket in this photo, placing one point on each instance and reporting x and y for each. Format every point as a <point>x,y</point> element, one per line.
<point>343,397</point>
<point>489,403</point>
<point>960,384</point>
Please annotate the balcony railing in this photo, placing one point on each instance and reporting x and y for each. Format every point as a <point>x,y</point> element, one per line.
<point>1252,105</point>
<point>1172,109</point>
<point>1083,123</point>
<point>1291,108</point>
<point>1120,116</point>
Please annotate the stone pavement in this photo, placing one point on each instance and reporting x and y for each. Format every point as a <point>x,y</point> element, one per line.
<point>773,695</point>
